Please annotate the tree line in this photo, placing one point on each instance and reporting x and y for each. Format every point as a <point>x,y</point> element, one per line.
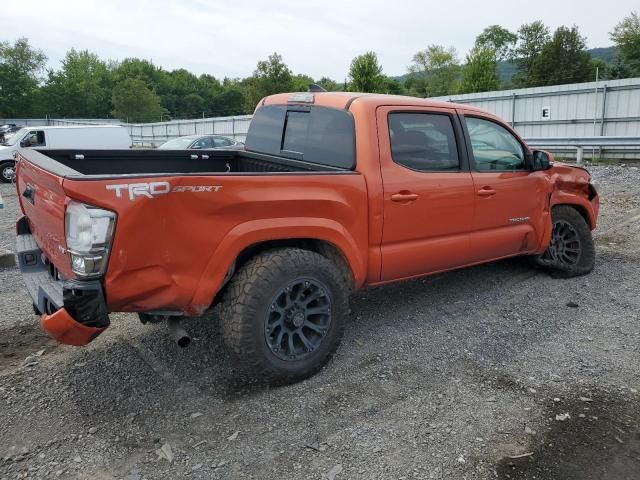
<point>136,90</point>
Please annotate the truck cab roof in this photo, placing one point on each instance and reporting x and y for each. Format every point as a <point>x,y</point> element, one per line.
<point>344,100</point>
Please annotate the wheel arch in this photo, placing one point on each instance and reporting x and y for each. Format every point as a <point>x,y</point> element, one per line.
<point>327,238</point>
<point>322,247</point>
<point>580,204</point>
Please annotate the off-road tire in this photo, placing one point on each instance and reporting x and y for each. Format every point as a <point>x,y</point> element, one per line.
<point>587,254</point>
<point>246,304</point>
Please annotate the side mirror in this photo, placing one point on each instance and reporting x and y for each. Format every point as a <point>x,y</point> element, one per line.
<point>541,160</point>
<point>23,143</point>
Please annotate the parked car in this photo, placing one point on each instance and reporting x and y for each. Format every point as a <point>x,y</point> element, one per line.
<point>47,138</point>
<point>201,142</point>
<point>334,192</point>
<point>7,131</point>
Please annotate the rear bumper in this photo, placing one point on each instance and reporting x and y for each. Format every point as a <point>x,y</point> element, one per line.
<point>73,312</point>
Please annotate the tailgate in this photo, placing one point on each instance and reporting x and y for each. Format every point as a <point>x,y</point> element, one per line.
<point>42,200</point>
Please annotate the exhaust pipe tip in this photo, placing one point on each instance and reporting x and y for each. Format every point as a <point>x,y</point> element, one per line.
<point>179,334</point>
<point>183,341</point>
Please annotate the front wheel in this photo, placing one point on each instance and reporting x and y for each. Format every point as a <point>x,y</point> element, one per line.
<point>7,172</point>
<point>571,251</point>
<point>284,313</point>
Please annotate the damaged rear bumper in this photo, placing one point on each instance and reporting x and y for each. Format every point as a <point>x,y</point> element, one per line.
<point>73,312</point>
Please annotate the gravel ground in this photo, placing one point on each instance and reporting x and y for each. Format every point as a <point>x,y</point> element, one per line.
<point>498,371</point>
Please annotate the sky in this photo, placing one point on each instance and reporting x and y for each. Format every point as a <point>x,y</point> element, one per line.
<point>227,38</point>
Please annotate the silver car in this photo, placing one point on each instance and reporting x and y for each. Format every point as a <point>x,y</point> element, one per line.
<point>201,142</point>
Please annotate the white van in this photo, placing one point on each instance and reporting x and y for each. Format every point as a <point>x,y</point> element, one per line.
<point>91,137</point>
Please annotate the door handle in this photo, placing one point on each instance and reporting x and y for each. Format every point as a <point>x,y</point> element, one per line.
<point>486,192</point>
<point>404,197</point>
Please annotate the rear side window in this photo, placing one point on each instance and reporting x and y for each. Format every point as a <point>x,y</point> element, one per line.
<point>325,136</point>
<point>204,142</point>
<point>423,141</point>
<point>221,142</point>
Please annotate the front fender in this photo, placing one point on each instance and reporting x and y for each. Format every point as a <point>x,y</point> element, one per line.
<point>569,185</point>
<point>589,208</point>
<point>263,230</point>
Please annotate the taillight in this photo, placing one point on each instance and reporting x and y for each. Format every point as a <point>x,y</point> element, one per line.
<point>89,231</point>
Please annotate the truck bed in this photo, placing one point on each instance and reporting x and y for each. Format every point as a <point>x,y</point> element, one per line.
<point>109,163</point>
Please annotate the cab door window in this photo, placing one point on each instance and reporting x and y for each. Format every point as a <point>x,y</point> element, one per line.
<point>494,147</point>
<point>34,138</point>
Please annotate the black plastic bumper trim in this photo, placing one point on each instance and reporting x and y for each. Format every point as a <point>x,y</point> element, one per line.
<point>83,299</point>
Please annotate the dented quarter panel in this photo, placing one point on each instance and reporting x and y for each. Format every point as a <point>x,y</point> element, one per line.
<point>171,250</point>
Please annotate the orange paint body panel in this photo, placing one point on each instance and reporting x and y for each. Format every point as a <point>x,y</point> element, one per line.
<point>46,212</point>
<point>173,252</point>
<point>63,328</point>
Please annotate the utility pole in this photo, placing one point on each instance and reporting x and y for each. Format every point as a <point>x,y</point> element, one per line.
<point>595,113</point>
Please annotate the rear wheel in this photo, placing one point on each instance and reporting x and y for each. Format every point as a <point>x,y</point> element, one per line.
<point>7,172</point>
<point>283,314</point>
<point>571,251</point>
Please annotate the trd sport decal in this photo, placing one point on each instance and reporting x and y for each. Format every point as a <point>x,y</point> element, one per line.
<point>154,189</point>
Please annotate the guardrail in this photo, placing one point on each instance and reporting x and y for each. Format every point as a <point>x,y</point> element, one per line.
<point>579,143</point>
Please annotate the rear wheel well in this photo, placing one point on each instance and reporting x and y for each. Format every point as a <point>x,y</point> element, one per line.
<point>326,249</point>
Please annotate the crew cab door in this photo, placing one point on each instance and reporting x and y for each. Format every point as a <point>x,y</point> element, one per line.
<point>428,191</point>
<point>511,203</point>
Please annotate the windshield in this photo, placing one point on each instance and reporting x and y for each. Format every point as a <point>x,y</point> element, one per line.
<point>177,144</point>
<point>16,137</point>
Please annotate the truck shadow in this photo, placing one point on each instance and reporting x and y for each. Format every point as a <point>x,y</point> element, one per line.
<point>205,366</point>
<point>432,312</point>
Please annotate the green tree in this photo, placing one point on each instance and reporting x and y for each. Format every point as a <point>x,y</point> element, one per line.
<point>179,91</point>
<point>365,74</point>
<point>81,88</point>
<point>393,86</point>
<point>626,36</point>
<point>141,69</point>
<point>480,73</point>
<point>532,38</point>
<point>603,68</point>
<point>619,69</point>
<point>329,85</point>
<point>231,100</point>
<point>564,59</point>
<point>499,39</point>
<point>270,76</point>
<point>133,101</point>
<point>435,71</point>
<point>21,67</point>
<point>300,83</point>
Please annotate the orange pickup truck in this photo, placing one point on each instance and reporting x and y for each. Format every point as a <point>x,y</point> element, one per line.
<point>334,192</point>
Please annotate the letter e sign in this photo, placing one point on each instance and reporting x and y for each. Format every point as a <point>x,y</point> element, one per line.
<point>546,113</point>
